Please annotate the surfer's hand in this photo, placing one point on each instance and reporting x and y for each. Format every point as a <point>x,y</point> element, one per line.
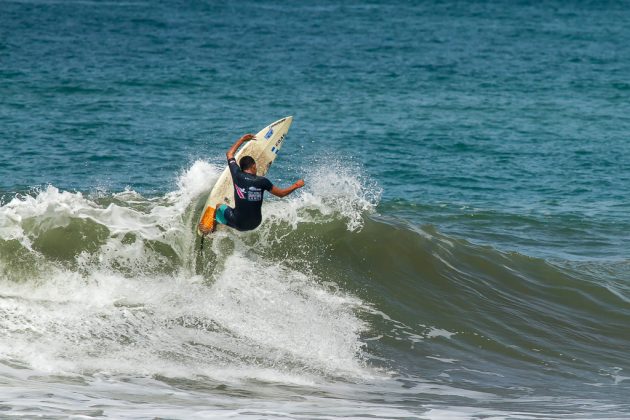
<point>300,183</point>
<point>247,137</point>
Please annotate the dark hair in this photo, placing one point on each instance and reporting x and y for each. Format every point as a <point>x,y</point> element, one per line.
<point>246,162</point>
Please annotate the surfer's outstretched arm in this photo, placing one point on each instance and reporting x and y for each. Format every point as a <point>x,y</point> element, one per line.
<point>282,192</point>
<point>230,153</point>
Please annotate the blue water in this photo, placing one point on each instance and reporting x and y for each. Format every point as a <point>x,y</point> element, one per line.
<point>499,127</point>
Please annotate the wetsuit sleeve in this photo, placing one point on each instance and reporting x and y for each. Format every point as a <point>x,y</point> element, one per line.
<point>234,168</point>
<point>266,184</point>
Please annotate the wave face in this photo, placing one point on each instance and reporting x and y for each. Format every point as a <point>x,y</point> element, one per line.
<point>327,309</point>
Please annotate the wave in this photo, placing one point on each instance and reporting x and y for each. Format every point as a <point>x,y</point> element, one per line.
<point>326,288</point>
<point>116,283</point>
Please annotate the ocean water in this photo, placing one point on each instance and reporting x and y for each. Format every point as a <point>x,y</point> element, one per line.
<point>459,251</point>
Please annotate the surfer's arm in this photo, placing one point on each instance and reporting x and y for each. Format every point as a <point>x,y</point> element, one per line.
<point>230,153</point>
<point>282,192</point>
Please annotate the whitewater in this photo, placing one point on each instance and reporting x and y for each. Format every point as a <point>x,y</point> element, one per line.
<point>109,308</point>
<point>110,291</point>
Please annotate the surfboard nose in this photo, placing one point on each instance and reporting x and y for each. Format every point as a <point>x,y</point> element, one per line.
<point>286,120</point>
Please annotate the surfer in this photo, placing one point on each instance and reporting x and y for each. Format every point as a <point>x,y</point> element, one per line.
<point>248,192</point>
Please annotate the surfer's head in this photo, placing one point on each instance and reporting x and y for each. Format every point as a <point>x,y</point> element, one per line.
<point>247,164</point>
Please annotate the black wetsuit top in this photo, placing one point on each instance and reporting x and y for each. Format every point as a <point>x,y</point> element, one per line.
<point>248,198</point>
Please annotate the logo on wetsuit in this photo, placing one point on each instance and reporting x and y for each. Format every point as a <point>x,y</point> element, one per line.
<point>250,194</point>
<point>254,194</point>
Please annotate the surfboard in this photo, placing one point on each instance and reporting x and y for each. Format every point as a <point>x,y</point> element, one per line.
<point>264,148</point>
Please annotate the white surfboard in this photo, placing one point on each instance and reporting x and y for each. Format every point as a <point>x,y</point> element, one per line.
<point>264,148</point>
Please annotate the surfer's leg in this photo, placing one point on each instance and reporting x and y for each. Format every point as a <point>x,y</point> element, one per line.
<point>225,215</point>
<point>220,214</point>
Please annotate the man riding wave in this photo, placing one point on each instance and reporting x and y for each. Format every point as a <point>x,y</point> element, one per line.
<point>248,192</point>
